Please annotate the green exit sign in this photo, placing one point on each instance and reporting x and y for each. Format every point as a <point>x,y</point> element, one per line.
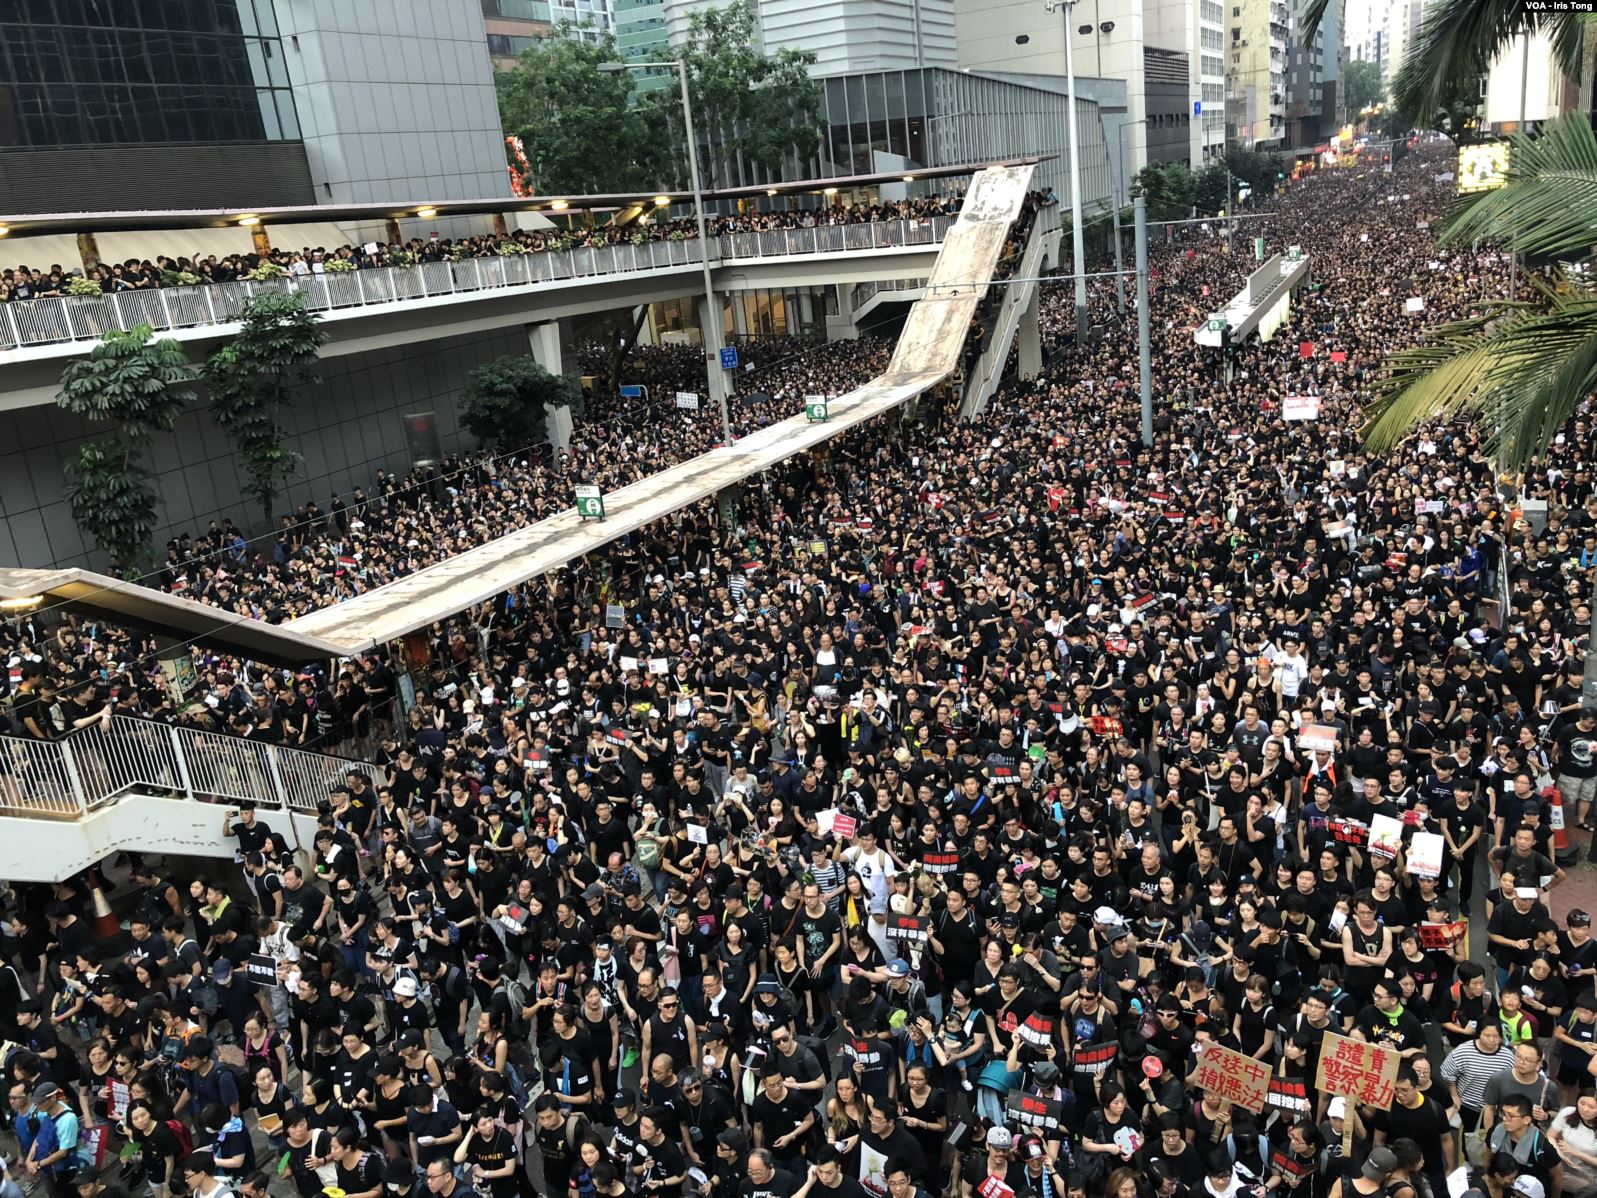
<point>815,408</point>
<point>1217,325</point>
<point>590,503</point>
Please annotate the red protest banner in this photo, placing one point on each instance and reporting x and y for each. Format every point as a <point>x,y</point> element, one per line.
<point>1442,935</point>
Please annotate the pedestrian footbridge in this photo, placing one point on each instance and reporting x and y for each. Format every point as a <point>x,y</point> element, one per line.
<point>149,788</point>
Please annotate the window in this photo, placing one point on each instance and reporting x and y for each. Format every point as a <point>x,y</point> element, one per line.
<point>150,73</point>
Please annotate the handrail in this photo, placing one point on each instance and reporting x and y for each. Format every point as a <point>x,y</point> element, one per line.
<point>67,318</point>
<point>865,292</point>
<point>93,766</point>
<point>990,365</point>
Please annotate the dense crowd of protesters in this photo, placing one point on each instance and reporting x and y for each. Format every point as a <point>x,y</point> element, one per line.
<point>171,270</point>
<point>929,830</point>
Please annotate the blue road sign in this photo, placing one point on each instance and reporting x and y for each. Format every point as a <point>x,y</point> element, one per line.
<point>631,391</point>
<point>729,358</point>
<point>1197,108</point>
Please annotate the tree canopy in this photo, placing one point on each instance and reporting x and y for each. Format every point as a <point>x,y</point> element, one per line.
<point>1167,188</point>
<point>140,385</point>
<point>504,402</point>
<point>254,377</point>
<point>1361,85</point>
<point>584,131</point>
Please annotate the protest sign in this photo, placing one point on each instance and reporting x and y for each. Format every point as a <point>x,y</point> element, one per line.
<point>1233,1076</point>
<point>1425,851</point>
<point>1355,1069</point>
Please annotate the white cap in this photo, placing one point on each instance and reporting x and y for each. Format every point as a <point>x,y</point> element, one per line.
<point>1525,892</point>
<point>1337,1109</point>
<point>405,987</point>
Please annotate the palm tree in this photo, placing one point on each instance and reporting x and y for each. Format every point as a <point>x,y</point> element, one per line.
<point>1457,42</point>
<point>1522,368</point>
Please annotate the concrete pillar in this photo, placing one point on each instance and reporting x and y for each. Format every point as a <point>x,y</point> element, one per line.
<point>263,243</point>
<point>544,339</point>
<point>558,421</point>
<point>806,309</point>
<point>391,231</point>
<point>1029,339</point>
<point>89,251</point>
<point>498,220</point>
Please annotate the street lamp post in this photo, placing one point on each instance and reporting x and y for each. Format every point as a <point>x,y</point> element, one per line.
<point>1121,201</point>
<point>711,320</point>
<point>1076,248</point>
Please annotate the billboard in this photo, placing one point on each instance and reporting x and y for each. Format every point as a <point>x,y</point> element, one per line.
<point>1482,167</point>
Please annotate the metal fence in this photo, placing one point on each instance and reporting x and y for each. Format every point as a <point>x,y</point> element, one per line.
<point>93,766</point>
<point>89,317</point>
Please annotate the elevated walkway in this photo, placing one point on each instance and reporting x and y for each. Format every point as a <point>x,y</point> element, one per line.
<point>135,785</point>
<point>1015,306</point>
<point>147,787</point>
<point>868,297</point>
<point>1269,288</point>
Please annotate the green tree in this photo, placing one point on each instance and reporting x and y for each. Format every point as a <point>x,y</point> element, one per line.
<point>1253,167</point>
<point>505,400</point>
<point>1523,368</point>
<point>139,385</point>
<point>1168,188</point>
<point>1362,86</point>
<point>582,130</point>
<point>1213,188</point>
<point>254,377</point>
<point>765,110</point>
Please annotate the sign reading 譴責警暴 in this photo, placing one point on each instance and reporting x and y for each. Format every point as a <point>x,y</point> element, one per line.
<point>1233,1076</point>
<point>1363,1072</point>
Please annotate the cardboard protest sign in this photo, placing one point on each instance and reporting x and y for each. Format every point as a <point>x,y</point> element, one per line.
<point>1233,1076</point>
<point>1354,1069</point>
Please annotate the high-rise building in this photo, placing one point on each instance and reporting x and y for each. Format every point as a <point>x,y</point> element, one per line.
<point>640,36</point>
<point>1526,86</point>
<point>1256,72</point>
<point>845,35</point>
<point>1166,53</point>
<point>147,106</point>
<point>512,26</point>
<point>1400,27</point>
<point>588,20</point>
<point>1198,27</point>
<point>1305,79</point>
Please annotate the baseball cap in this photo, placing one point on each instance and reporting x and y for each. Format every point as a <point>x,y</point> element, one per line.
<point>594,891</point>
<point>1524,892</point>
<point>999,1137</point>
<point>411,1036</point>
<point>1337,1109</point>
<point>898,967</point>
<point>625,1098</point>
<point>1379,1163</point>
<point>45,1091</point>
<point>1528,1186</point>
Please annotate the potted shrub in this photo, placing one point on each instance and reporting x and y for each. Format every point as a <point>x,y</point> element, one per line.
<point>401,257</point>
<point>266,272</point>
<point>338,266</point>
<point>78,285</point>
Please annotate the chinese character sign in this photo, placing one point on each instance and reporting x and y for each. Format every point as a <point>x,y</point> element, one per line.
<point>1230,1075</point>
<point>1363,1072</point>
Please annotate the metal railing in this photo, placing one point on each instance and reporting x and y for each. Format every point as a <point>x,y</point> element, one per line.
<point>67,318</point>
<point>89,768</point>
<point>865,292</point>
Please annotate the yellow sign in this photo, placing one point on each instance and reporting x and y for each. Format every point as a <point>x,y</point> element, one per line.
<point>1482,167</point>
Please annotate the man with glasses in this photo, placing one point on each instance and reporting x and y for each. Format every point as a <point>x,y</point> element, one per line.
<point>442,1183</point>
<point>1388,1023</point>
<point>656,1161</point>
<point>708,1111</point>
<point>797,1063</point>
<point>900,1184</point>
<point>1532,1151</point>
<point>670,1030</point>
<point>782,1117</point>
<point>199,1175</point>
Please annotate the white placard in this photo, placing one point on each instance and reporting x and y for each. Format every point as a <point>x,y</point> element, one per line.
<point>698,834</point>
<point>1425,851</point>
<point>628,663</point>
<point>688,400</point>
<point>1300,407</point>
<point>1386,835</point>
<point>1414,303</point>
<point>1314,737</point>
<point>659,665</point>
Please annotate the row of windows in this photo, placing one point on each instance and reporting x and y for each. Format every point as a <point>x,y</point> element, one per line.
<point>234,17</point>
<point>97,72</point>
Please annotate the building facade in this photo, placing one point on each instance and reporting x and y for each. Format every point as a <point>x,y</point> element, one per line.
<point>147,106</point>
<point>845,35</point>
<point>512,26</point>
<point>641,37</point>
<point>395,99</point>
<point>1256,73</point>
<point>1198,27</point>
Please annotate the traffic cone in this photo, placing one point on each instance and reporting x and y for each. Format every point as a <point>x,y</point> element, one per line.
<point>106,925</point>
<point>1553,800</point>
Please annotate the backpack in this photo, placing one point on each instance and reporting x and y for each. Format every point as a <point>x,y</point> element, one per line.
<point>180,1133</point>
<point>817,1049</point>
<point>519,1000</point>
